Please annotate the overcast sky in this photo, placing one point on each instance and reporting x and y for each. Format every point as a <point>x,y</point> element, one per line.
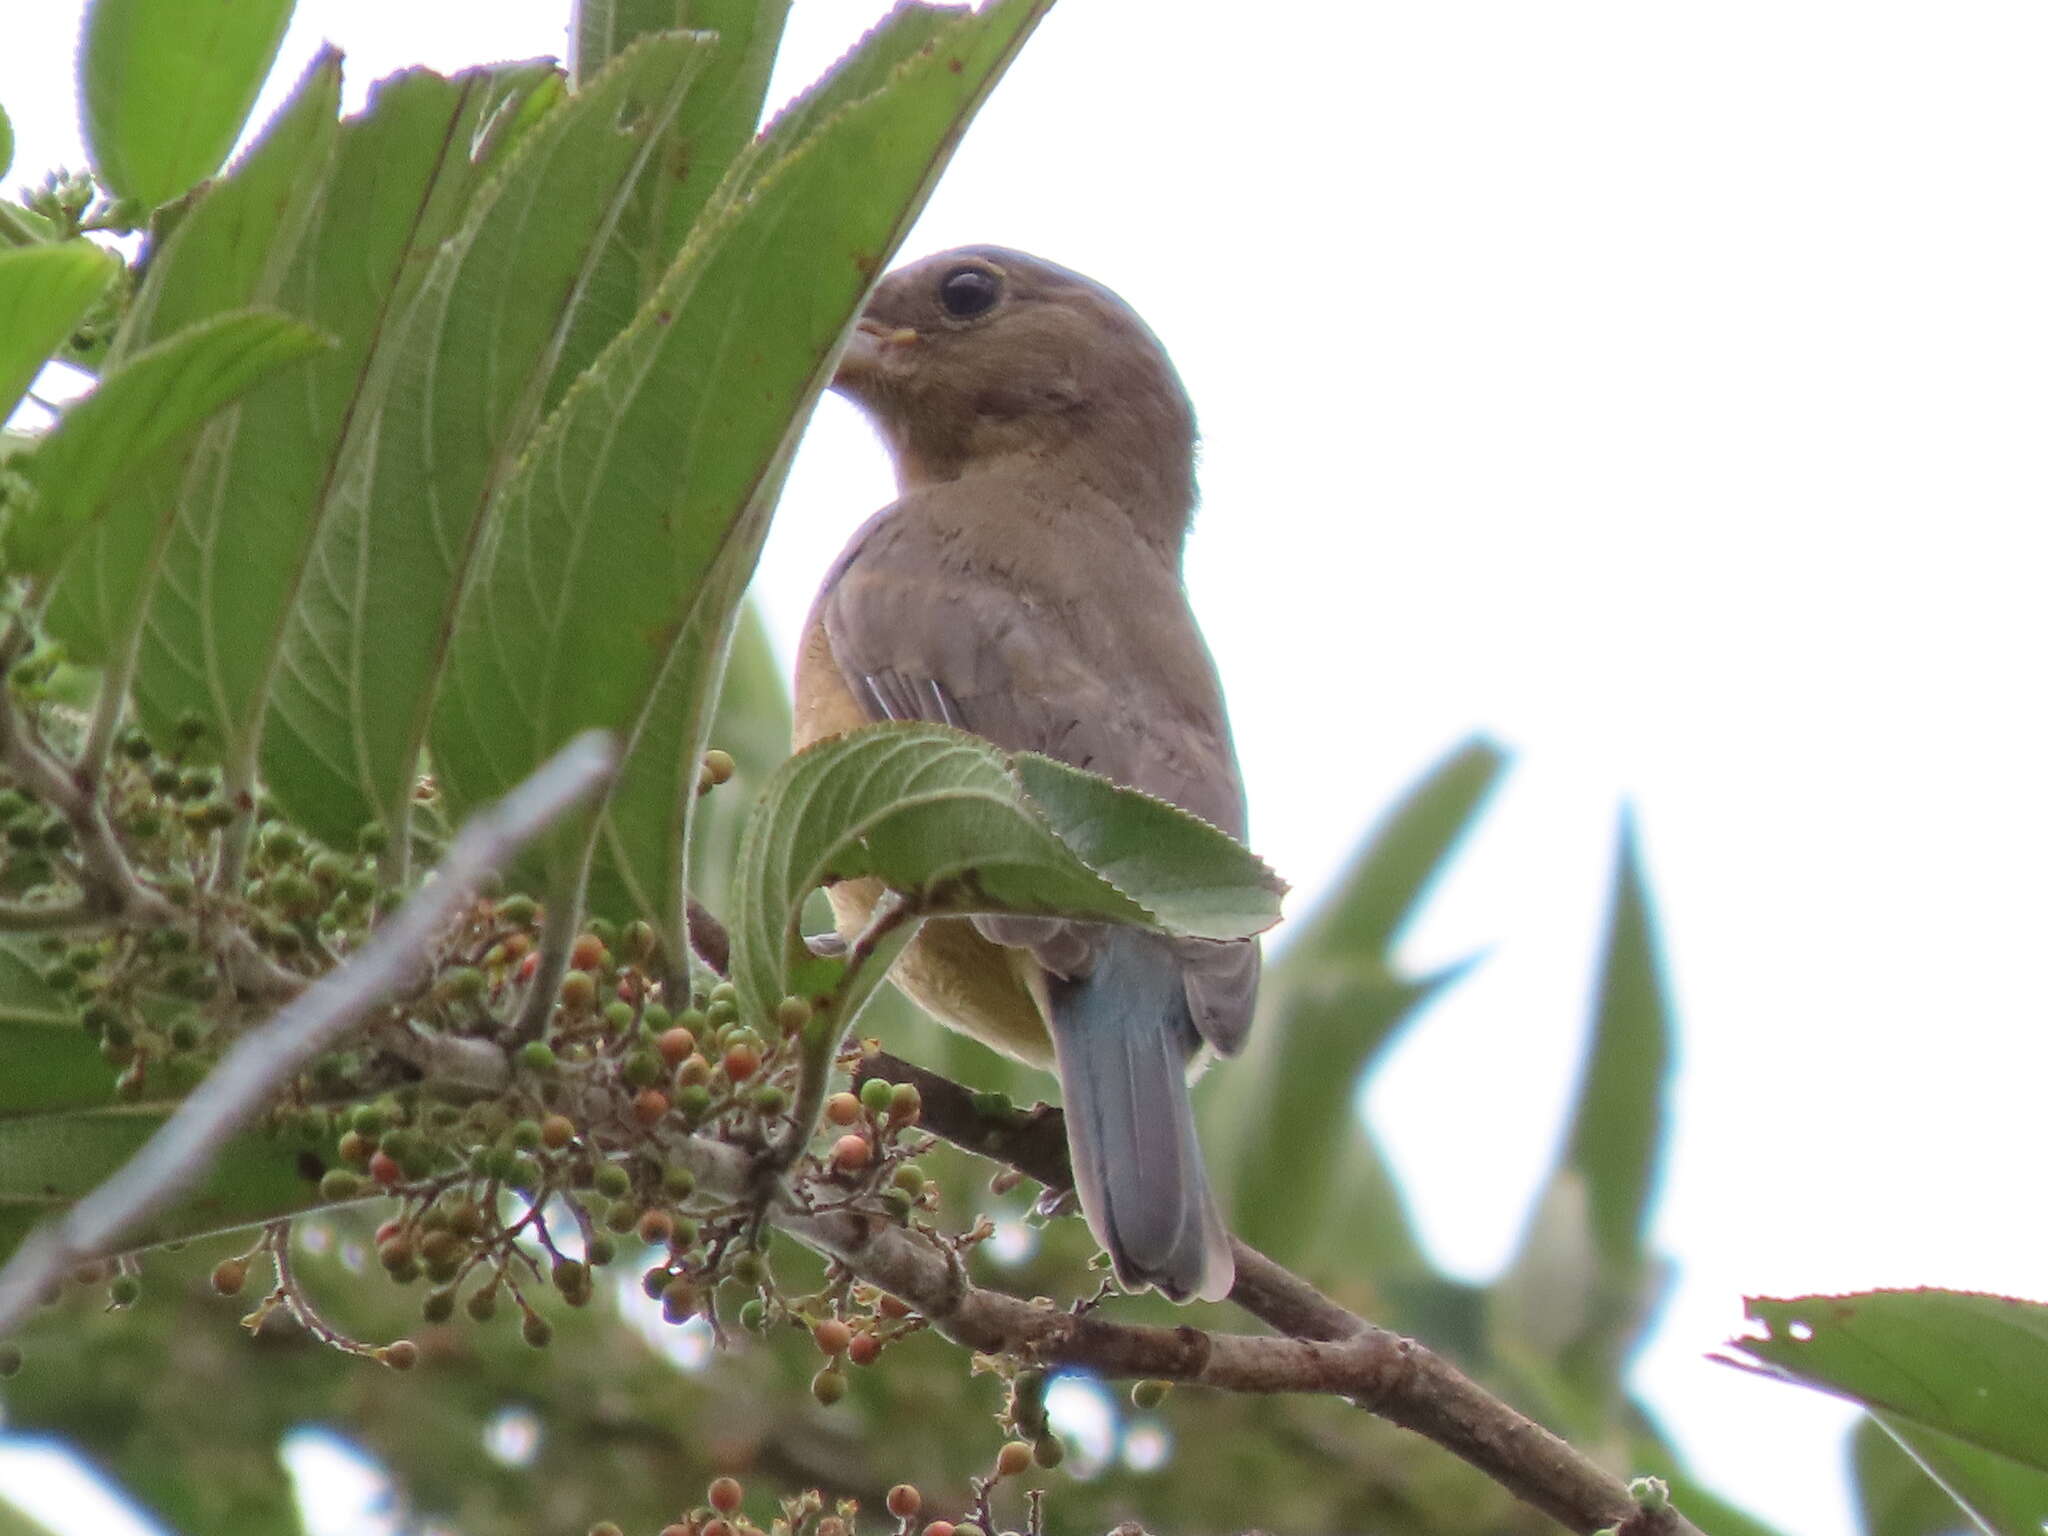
<point>1660,389</point>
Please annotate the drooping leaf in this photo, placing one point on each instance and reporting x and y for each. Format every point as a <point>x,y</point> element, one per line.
<point>613,570</point>
<point>947,819</point>
<point>1329,1002</point>
<point>469,368</point>
<point>167,85</point>
<point>1958,1365</point>
<point>149,405</point>
<point>45,291</point>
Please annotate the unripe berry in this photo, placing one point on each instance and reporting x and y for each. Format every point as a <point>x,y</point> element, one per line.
<point>828,1387</point>
<point>537,1330</point>
<point>1148,1394</point>
<point>874,1095</point>
<point>400,1354</point>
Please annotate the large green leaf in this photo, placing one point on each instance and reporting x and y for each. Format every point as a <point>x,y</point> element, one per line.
<point>715,125</point>
<point>1578,1291</point>
<point>1968,1367</point>
<point>612,573</point>
<point>752,726</point>
<point>167,85</point>
<point>45,291</point>
<point>224,255</point>
<point>145,407</point>
<point>1329,1002</point>
<point>951,821</point>
<point>47,1062</point>
<point>470,365</point>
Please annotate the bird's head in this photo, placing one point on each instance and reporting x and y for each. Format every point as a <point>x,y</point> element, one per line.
<point>984,358</point>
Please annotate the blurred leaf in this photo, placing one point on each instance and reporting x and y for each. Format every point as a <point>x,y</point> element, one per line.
<point>951,820</point>
<point>47,1062</point>
<point>167,85</point>
<point>1329,1002</point>
<point>6,143</point>
<point>1577,1293</point>
<point>606,593</point>
<point>469,365</point>
<point>1894,1494</point>
<point>45,290</point>
<point>155,400</point>
<point>1956,1363</point>
<point>51,1157</point>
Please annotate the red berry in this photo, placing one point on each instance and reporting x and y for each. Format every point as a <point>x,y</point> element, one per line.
<point>675,1045</point>
<point>587,953</point>
<point>742,1061</point>
<point>865,1349</point>
<point>832,1336</point>
<point>850,1154</point>
<point>725,1494</point>
<point>649,1105</point>
<point>384,1168</point>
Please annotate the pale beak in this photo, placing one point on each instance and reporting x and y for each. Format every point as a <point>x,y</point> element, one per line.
<point>868,352</point>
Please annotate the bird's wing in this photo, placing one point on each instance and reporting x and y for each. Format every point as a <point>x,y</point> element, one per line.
<point>1054,640</point>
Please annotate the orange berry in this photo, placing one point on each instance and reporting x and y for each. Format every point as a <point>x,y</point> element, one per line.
<point>649,1105</point>
<point>557,1131</point>
<point>587,953</point>
<point>905,1501</point>
<point>843,1109</point>
<point>725,1494</point>
<point>675,1045</point>
<point>742,1061</point>
<point>1014,1459</point>
<point>833,1336</point>
<point>656,1226</point>
<point>850,1154</point>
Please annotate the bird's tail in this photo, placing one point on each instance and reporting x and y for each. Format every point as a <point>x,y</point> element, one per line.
<point>1123,1036</point>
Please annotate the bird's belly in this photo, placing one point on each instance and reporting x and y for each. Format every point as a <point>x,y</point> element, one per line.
<point>960,978</point>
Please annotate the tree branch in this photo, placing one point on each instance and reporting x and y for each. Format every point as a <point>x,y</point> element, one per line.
<point>258,1064</point>
<point>1395,1378</point>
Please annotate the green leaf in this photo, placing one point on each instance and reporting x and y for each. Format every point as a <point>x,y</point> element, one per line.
<point>613,569</point>
<point>6,142</point>
<point>46,1059</point>
<point>167,85</point>
<point>1965,1367</point>
<point>946,819</point>
<point>1328,1004</point>
<point>247,511</point>
<point>1580,1288</point>
<point>149,404</point>
<point>1895,1496</point>
<point>45,290</point>
<point>219,258</point>
<point>470,365</point>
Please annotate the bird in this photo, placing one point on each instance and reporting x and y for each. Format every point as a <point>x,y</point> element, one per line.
<point>1026,586</point>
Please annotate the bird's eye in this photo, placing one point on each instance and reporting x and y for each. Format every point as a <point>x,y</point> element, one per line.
<point>967,292</point>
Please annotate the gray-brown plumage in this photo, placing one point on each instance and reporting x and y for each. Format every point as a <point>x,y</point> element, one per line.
<point>1027,587</point>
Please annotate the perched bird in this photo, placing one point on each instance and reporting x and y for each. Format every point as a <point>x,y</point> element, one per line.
<point>1027,587</point>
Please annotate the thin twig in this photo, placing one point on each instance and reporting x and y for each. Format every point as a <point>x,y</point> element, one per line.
<point>263,1060</point>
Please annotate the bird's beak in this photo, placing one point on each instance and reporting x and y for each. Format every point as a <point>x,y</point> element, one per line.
<point>867,353</point>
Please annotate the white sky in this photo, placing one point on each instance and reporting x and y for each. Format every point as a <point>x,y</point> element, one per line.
<point>1658,387</point>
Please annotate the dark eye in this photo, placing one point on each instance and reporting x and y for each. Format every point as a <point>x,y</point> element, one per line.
<point>967,292</point>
